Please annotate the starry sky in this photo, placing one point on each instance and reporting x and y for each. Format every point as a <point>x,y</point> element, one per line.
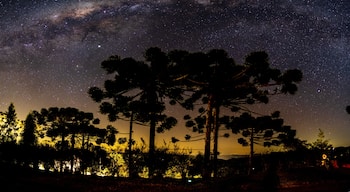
<point>51,51</point>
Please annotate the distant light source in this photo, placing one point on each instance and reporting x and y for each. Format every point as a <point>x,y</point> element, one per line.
<point>324,156</point>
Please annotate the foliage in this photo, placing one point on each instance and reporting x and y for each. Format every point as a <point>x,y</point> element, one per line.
<point>321,144</point>
<point>139,87</point>
<point>74,124</point>
<point>29,137</point>
<point>263,130</point>
<point>197,165</point>
<point>211,78</point>
<point>136,159</point>
<point>10,125</point>
<point>75,129</point>
<point>215,80</point>
<point>140,92</point>
<point>180,162</point>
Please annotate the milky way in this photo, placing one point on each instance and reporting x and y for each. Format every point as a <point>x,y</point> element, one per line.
<point>50,51</point>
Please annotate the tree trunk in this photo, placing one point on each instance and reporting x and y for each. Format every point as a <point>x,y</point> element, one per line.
<point>251,151</point>
<point>82,166</point>
<point>151,151</point>
<point>72,150</point>
<point>61,158</point>
<point>216,138</point>
<point>208,126</point>
<point>130,162</point>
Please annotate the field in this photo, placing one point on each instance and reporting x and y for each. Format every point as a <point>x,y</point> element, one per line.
<point>300,180</point>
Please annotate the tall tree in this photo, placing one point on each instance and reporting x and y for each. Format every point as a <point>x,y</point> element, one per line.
<point>29,137</point>
<point>10,125</point>
<point>144,85</point>
<point>217,81</point>
<point>262,130</point>
<point>56,123</point>
<point>29,141</point>
<point>125,108</point>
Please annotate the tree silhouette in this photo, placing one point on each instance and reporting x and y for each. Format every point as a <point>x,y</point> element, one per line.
<point>215,80</point>
<point>180,162</point>
<point>263,130</point>
<point>142,86</point>
<point>126,108</point>
<point>29,140</point>
<point>55,122</point>
<point>137,159</point>
<point>10,125</point>
<point>321,144</point>
<point>29,137</point>
<point>320,147</point>
<point>70,124</point>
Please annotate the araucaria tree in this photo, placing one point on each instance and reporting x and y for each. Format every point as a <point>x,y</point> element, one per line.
<point>71,125</point>
<point>211,79</point>
<point>262,130</point>
<point>215,80</point>
<point>143,86</point>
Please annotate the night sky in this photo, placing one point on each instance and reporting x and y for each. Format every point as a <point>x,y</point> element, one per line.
<point>51,51</point>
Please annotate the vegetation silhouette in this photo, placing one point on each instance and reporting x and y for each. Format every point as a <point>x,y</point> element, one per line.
<point>29,142</point>
<point>70,125</point>
<point>215,80</point>
<point>69,141</point>
<point>139,87</point>
<point>266,131</point>
<point>10,126</point>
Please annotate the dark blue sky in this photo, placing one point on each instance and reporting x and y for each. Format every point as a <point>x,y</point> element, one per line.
<point>50,51</point>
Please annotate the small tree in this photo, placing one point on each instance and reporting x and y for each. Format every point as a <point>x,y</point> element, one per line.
<point>180,162</point>
<point>9,130</point>
<point>263,130</point>
<point>321,148</point>
<point>197,165</point>
<point>321,144</point>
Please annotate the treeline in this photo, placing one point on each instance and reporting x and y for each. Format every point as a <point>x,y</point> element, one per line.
<point>53,137</point>
<point>205,84</point>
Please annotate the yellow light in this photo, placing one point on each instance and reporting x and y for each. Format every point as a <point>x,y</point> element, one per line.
<point>324,156</point>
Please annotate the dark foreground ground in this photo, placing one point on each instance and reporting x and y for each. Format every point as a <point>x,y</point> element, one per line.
<point>296,180</point>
